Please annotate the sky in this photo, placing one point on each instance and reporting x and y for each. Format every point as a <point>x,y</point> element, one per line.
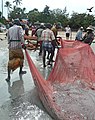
<point>79,6</point>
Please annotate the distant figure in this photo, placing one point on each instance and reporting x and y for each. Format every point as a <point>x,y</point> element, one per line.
<point>54,29</point>
<point>68,32</point>
<point>89,36</point>
<point>79,34</point>
<point>90,9</point>
<point>38,34</point>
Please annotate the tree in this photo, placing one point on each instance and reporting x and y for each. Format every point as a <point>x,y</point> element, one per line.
<point>34,15</point>
<point>17,12</point>
<point>75,21</point>
<point>78,20</point>
<point>0,14</point>
<point>23,10</point>
<point>46,10</point>
<point>8,5</point>
<point>18,2</point>
<point>61,16</point>
<point>2,8</point>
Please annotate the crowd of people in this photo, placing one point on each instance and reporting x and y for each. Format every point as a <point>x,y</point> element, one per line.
<point>88,37</point>
<point>17,36</point>
<point>46,39</point>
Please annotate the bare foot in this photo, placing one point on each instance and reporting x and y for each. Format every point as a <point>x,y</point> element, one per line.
<point>22,72</point>
<point>8,79</point>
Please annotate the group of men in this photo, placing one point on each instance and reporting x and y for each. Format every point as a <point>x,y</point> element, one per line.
<point>88,37</point>
<point>16,42</point>
<point>46,36</point>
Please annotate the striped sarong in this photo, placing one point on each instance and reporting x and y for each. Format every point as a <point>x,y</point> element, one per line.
<point>16,58</point>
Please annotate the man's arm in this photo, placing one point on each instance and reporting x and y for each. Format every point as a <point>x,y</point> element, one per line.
<point>21,34</point>
<point>8,36</point>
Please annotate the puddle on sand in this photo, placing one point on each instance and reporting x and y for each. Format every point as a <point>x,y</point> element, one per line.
<point>24,107</point>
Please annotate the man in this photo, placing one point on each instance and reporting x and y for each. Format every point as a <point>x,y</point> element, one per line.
<point>54,29</point>
<point>79,34</point>
<point>54,42</point>
<point>89,36</point>
<point>68,32</point>
<point>15,40</point>
<point>38,34</point>
<point>47,37</point>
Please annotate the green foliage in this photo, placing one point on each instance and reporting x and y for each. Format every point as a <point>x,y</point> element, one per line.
<point>17,2</point>
<point>3,20</point>
<point>50,16</point>
<point>17,13</point>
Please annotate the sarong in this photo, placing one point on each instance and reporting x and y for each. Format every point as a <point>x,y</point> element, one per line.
<point>16,58</point>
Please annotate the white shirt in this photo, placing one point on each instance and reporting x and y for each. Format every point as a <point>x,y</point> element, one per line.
<point>68,30</point>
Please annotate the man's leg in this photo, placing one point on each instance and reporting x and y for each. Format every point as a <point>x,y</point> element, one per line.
<point>52,54</point>
<point>40,52</point>
<point>51,57</point>
<point>21,56</point>
<point>44,55</point>
<point>9,71</point>
<point>21,72</point>
<point>48,55</point>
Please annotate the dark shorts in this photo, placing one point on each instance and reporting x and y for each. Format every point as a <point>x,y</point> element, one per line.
<point>67,34</point>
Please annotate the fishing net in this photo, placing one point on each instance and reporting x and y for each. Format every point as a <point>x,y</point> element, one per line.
<point>69,91</point>
<point>73,81</point>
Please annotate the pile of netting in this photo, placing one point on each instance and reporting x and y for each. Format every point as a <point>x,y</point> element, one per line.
<point>73,81</point>
<point>76,100</point>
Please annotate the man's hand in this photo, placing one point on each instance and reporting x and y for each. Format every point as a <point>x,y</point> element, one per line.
<point>24,46</point>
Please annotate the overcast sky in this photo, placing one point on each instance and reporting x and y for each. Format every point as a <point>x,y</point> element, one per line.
<point>79,6</point>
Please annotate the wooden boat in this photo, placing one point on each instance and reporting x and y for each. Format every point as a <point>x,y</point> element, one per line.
<point>69,91</point>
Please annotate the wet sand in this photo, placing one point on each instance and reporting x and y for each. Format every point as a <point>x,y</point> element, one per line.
<point>19,99</point>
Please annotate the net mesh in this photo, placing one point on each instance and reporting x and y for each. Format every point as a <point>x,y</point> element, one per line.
<point>69,92</point>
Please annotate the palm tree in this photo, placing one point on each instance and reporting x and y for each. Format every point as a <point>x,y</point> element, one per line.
<point>23,10</point>
<point>14,8</point>
<point>46,10</point>
<point>8,5</point>
<point>18,2</point>
<point>0,14</point>
<point>2,8</point>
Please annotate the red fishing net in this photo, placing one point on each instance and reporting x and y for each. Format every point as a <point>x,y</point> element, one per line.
<point>69,92</point>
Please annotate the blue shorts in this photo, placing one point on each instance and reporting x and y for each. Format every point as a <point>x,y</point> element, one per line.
<point>47,46</point>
